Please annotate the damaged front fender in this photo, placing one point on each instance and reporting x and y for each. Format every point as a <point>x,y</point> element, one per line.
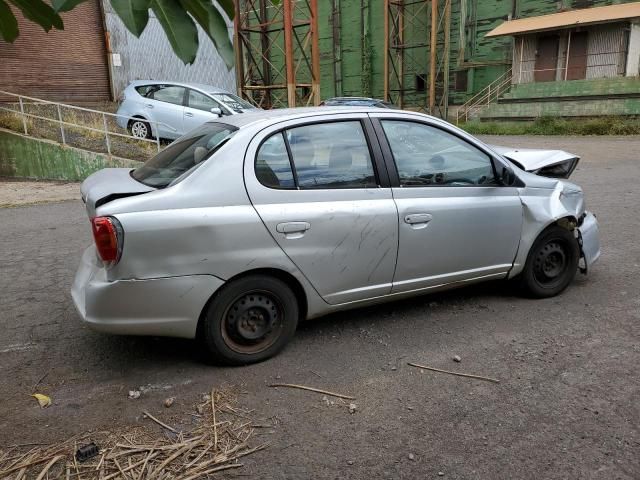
<point>547,201</point>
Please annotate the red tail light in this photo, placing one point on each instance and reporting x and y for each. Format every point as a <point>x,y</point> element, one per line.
<point>109,236</point>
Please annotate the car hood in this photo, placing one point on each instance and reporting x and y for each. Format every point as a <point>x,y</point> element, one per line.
<point>109,184</point>
<point>548,163</point>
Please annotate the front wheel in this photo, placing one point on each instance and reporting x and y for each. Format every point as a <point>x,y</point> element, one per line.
<point>552,263</point>
<point>250,320</point>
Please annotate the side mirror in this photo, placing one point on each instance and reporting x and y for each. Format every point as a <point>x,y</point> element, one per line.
<point>216,111</point>
<point>507,177</point>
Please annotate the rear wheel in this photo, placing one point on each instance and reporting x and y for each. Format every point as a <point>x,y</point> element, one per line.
<point>552,263</point>
<point>139,129</point>
<point>250,320</point>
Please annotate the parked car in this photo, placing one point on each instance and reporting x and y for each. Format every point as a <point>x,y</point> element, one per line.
<point>356,102</point>
<point>178,107</point>
<point>251,223</point>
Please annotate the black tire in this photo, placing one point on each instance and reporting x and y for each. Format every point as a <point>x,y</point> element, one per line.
<point>249,320</point>
<point>552,263</point>
<point>139,128</point>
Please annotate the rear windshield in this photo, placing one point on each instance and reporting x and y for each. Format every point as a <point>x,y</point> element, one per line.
<point>184,154</point>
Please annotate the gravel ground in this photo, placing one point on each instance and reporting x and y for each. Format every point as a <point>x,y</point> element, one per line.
<point>567,405</point>
<point>16,192</point>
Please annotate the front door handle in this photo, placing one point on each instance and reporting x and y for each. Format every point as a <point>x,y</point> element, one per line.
<point>149,105</point>
<point>417,218</point>
<point>293,227</point>
<point>188,114</point>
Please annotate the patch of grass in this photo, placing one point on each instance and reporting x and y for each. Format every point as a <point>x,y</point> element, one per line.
<point>557,126</point>
<point>93,140</point>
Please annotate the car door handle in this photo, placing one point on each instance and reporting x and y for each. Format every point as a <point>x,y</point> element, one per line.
<point>417,218</point>
<point>148,105</point>
<point>188,114</point>
<point>293,227</point>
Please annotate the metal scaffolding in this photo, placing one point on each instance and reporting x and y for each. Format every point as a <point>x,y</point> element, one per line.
<point>277,56</point>
<point>416,54</point>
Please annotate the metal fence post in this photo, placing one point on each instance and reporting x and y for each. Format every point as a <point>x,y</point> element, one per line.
<point>64,140</point>
<point>157,136</point>
<point>24,118</point>
<point>106,134</point>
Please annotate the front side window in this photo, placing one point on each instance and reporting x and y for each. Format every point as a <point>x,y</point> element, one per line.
<point>200,101</point>
<point>323,156</point>
<point>169,94</point>
<point>428,156</point>
<point>184,154</point>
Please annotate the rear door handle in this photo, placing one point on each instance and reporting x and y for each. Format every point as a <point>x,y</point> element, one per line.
<point>293,227</point>
<point>148,105</point>
<point>188,114</point>
<point>417,218</point>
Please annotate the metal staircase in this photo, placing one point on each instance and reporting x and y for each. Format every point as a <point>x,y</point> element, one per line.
<point>484,98</point>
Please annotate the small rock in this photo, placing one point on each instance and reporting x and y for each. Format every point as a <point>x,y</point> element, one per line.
<point>441,474</point>
<point>133,394</point>
<point>200,409</point>
<point>206,398</point>
<point>412,457</point>
<point>456,358</point>
<point>349,462</point>
<point>169,401</point>
<point>278,377</point>
<point>394,369</point>
<point>352,408</point>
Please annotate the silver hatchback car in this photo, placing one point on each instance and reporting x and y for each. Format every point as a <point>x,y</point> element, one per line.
<point>151,108</point>
<point>249,224</point>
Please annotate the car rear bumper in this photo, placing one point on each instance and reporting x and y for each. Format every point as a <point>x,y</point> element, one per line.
<point>589,239</point>
<point>167,306</point>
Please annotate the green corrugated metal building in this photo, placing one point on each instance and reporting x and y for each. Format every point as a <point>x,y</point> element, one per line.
<point>352,50</point>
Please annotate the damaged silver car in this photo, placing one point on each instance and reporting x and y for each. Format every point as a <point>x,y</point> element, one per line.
<point>249,224</point>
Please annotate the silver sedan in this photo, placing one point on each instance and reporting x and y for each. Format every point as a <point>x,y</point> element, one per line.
<point>249,224</point>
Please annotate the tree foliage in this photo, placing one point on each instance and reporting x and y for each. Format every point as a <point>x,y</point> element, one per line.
<point>178,19</point>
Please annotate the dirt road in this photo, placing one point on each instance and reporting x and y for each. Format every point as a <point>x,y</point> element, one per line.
<point>567,405</point>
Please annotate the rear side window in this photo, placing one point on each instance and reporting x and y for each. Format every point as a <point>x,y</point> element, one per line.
<point>325,156</point>
<point>169,94</point>
<point>144,90</point>
<point>273,168</point>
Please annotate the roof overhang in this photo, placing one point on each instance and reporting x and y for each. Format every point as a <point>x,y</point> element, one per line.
<point>572,18</point>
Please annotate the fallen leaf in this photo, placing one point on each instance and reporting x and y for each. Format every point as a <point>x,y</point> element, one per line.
<point>43,400</point>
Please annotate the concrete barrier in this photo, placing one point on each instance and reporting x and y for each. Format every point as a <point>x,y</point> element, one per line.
<point>26,157</point>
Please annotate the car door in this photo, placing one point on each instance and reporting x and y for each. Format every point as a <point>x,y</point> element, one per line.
<point>457,222</point>
<point>166,106</point>
<point>198,110</point>
<point>319,189</point>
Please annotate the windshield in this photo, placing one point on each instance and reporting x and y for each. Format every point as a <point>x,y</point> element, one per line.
<point>232,101</point>
<point>184,154</point>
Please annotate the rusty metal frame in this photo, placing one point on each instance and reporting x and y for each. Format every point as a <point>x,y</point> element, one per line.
<point>277,56</point>
<point>417,43</point>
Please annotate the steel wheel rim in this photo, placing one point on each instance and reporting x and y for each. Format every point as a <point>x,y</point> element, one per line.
<point>252,322</point>
<point>551,263</point>
<point>139,130</point>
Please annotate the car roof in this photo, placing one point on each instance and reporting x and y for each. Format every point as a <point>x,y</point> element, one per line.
<point>282,114</point>
<point>198,86</point>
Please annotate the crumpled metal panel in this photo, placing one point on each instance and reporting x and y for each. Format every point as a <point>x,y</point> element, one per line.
<point>150,57</point>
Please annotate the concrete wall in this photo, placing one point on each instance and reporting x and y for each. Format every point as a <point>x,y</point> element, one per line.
<point>27,157</point>
<point>150,57</point>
